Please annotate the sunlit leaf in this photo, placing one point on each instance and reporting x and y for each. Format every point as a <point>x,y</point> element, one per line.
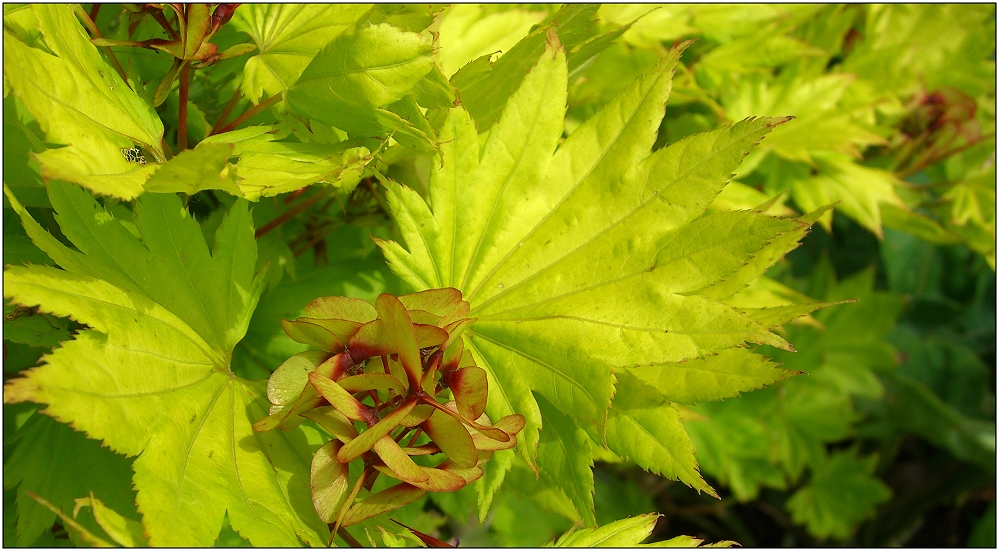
<point>80,102</point>
<point>570,254</point>
<point>627,532</point>
<point>265,167</point>
<point>351,80</point>
<point>289,36</point>
<point>124,531</point>
<point>151,375</point>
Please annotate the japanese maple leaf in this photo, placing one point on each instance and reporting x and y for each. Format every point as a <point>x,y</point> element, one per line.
<point>590,263</point>
<point>151,378</point>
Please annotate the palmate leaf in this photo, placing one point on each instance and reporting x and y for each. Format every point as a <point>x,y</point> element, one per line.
<point>587,259</point>
<point>193,170</point>
<point>842,492</point>
<point>266,167</point>
<point>353,80</point>
<point>485,86</point>
<point>151,376</point>
<point>627,532</point>
<point>81,102</point>
<point>467,32</point>
<point>769,438</point>
<point>288,36</point>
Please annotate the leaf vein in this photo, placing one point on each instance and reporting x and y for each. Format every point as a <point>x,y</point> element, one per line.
<point>551,368</point>
<point>607,229</point>
<point>555,209</point>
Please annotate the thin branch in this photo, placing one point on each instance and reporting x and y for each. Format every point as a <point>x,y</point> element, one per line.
<point>953,151</point>
<point>167,150</point>
<point>250,113</point>
<point>349,538</point>
<point>308,233</point>
<point>159,17</point>
<point>94,10</point>
<point>294,195</point>
<point>348,502</point>
<point>416,435</point>
<point>294,211</point>
<point>226,112</point>
<point>321,235</point>
<point>95,33</point>
<point>185,74</point>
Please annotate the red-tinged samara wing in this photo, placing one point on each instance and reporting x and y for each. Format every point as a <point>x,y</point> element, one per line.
<point>329,482</point>
<point>469,387</point>
<point>438,480</point>
<point>343,330</point>
<point>342,308</point>
<point>452,437</point>
<point>384,501</point>
<point>439,302</point>
<point>367,439</point>
<point>342,400</point>
<point>333,421</point>
<point>399,465</point>
<point>399,327</point>
<point>303,330</point>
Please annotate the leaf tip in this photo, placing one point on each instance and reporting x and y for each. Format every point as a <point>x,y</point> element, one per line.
<point>552,42</point>
<point>18,390</point>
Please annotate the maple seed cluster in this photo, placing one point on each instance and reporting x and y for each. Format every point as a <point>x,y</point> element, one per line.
<point>388,383</point>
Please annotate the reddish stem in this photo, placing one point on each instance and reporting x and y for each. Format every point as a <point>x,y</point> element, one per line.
<point>226,112</point>
<point>94,10</point>
<point>416,435</point>
<point>322,235</point>
<point>95,33</point>
<point>182,109</point>
<point>953,151</point>
<point>294,195</point>
<point>250,113</point>
<point>293,211</point>
<point>158,16</point>
<point>349,538</point>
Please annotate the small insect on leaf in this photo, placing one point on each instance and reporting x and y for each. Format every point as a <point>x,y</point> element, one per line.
<point>133,155</point>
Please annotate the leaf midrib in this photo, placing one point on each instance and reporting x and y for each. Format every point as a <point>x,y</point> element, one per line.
<point>187,454</point>
<point>77,390</point>
<point>535,119</point>
<point>187,276</point>
<point>624,413</point>
<point>618,279</point>
<point>575,187</point>
<point>537,361</point>
<point>163,322</point>
<point>372,69</point>
<point>632,212</point>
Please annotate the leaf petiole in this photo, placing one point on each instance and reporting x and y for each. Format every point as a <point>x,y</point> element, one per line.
<point>95,33</point>
<point>349,501</point>
<point>250,113</point>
